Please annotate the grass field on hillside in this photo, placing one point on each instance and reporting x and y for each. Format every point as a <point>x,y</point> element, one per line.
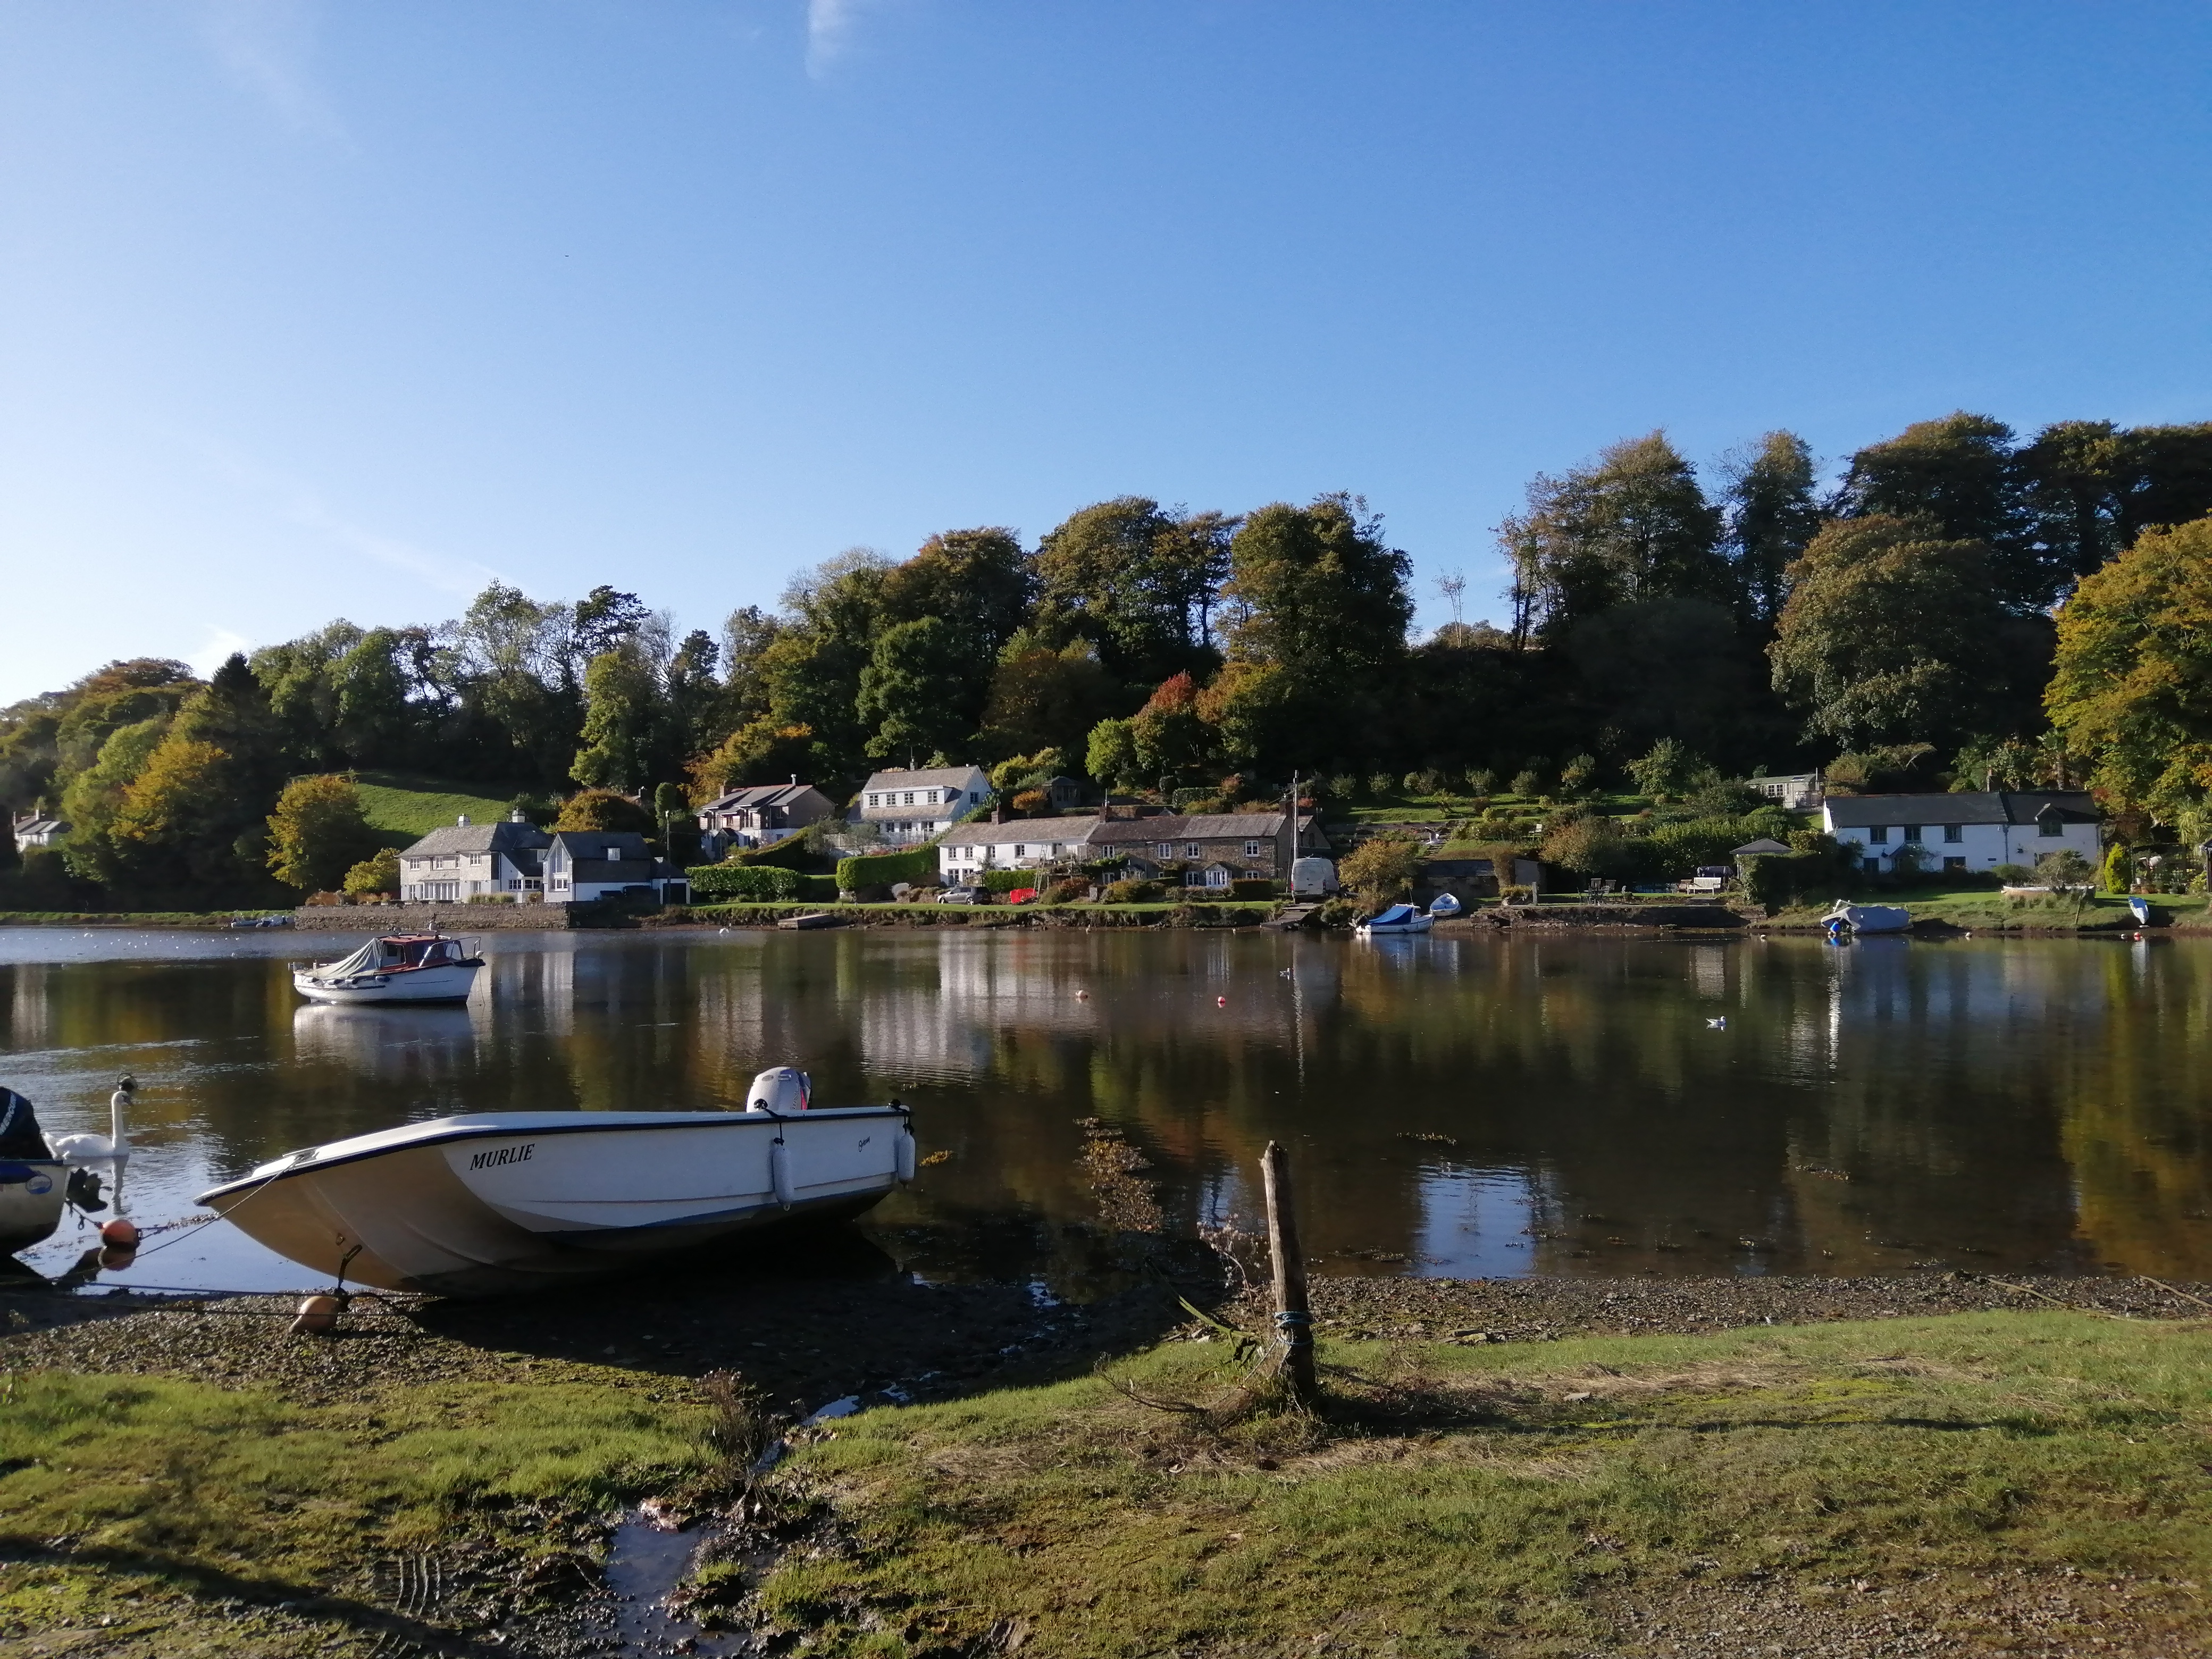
<point>406,806</point>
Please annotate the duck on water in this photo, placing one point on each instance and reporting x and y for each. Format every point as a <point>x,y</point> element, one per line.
<point>490,1202</point>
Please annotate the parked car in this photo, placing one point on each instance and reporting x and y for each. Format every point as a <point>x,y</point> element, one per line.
<point>964,895</point>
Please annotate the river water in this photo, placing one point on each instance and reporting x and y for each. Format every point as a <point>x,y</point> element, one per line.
<point>1464,1105</point>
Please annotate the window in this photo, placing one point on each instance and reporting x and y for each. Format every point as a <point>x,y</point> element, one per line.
<point>1878,834</point>
<point>1954,864</point>
<point>1954,832</point>
<point>1167,850</point>
<point>1020,851</point>
<point>2050,828</point>
<point>1190,850</point>
<point>1217,878</point>
<point>876,799</point>
<point>1912,832</point>
<point>1251,849</point>
<point>908,801</point>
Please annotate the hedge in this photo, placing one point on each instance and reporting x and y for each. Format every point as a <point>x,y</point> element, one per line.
<point>915,867</point>
<point>790,853</point>
<point>742,881</point>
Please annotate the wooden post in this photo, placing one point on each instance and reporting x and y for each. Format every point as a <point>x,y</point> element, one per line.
<point>1293,1321</point>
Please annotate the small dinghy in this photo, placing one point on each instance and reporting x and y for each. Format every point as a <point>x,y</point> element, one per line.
<point>33,1181</point>
<point>402,967</point>
<point>1398,919</point>
<point>2139,908</point>
<point>498,1201</point>
<point>1444,906</point>
<point>1867,918</point>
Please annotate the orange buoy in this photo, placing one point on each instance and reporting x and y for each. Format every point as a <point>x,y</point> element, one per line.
<point>123,1235</point>
<point>318,1316</point>
<point>1221,1002</point>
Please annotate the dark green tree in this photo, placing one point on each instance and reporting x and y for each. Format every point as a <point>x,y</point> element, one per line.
<point>1960,473</point>
<point>1772,515</point>
<point>1139,582</point>
<point>902,694</point>
<point>1632,525</point>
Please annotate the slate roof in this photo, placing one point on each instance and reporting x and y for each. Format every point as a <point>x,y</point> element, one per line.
<point>505,836</point>
<point>927,777</point>
<point>1204,826</point>
<point>1060,831</point>
<point>589,862</point>
<point>1974,806</point>
<point>756,796</point>
<point>1764,846</point>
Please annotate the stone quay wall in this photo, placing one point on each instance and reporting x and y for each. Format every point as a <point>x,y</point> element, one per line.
<point>453,918</point>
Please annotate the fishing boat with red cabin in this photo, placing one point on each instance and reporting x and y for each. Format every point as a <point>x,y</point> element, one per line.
<point>430,967</point>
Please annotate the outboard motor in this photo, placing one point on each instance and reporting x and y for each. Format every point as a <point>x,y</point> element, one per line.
<point>779,1089</point>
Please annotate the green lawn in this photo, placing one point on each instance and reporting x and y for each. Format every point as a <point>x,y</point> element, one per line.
<point>1985,907</point>
<point>1511,1499</point>
<point>406,806</point>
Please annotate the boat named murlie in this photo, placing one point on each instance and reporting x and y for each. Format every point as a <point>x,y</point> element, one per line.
<point>400,968</point>
<point>492,1202</point>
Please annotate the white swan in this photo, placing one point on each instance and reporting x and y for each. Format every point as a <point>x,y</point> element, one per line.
<point>110,1148</point>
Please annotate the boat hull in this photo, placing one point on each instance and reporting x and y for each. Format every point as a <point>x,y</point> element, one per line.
<point>32,1191</point>
<point>446,982</point>
<point>507,1201</point>
<point>1391,930</point>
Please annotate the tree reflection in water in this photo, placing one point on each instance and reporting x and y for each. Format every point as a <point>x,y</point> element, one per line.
<point>1458,1103</point>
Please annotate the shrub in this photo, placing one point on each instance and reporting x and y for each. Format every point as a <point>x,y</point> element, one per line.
<point>1067,892</point>
<point>2114,879</point>
<point>1031,801</point>
<point>605,810</point>
<point>792,852</point>
<point>1382,870</point>
<point>1135,892</point>
<point>319,832</point>
<point>1679,848</point>
<point>1481,781</point>
<point>1254,887</point>
<point>711,882</point>
<point>2065,868</point>
<point>1578,774</point>
<point>1005,881</point>
<point>1589,847</point>
<point>1528,782</point>
<point>2013,875</point>
<point>1379,785</point>
<point>916,864</point>
<point>378,874</point>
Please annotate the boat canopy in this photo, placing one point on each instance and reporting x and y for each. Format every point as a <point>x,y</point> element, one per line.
<point>395,954</point>
<point>1396,916</point>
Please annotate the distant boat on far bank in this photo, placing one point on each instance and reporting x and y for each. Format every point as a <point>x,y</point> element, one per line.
<point>1398,919</point>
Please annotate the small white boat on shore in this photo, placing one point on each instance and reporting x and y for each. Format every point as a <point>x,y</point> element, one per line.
<point>1867,918</point>
<point>400,968</point>
<point>1445,906</point>
<point>492,1202</point>
<point>1398,919</point>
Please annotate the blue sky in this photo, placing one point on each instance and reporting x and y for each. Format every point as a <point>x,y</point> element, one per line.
<point>317,310</point>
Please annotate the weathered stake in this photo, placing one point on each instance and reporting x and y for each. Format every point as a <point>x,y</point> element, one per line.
<point>1293,1320</point>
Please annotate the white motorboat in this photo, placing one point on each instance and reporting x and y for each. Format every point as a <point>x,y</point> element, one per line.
<point>34,1180</point>
<point>1867,918</point>
<point>497,1201</point>
<point>1398,919</point>
<point>401,968</point>
<point>1445,905</point>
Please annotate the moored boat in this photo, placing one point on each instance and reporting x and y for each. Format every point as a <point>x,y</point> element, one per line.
<point>399,967</point>
<point>33,1181</point>
<point>1398,919</point>
<point>1867,918</point>
<point>1445,905</point>
<point>490,1202</point>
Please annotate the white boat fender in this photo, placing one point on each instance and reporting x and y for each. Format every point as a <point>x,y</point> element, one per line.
<point>779,1172</point>
<point>904,1151</point>
<point>779,1089</point>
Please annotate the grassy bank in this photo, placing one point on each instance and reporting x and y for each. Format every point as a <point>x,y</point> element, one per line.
<point>1984,909</point>
<point>406,806</point>
<point>1963,1475</point>
<point>203,1520</point>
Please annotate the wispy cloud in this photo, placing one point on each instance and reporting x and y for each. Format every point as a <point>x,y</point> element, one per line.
<point>267,47</point>
<point>830,27</point>
<point>299,503</point>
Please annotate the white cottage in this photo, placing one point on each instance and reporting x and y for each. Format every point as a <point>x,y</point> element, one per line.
<point>965,855</point>
<point>1975,830</point>
<point>911,805</point>
<point>582,865</point>
<point>462,860</point>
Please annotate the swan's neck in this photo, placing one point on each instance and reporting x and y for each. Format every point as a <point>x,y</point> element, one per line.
<point>116,1102</point>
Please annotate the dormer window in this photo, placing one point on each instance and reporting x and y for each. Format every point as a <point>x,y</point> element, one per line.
<point>2049,826</point>
<point>614,855</point>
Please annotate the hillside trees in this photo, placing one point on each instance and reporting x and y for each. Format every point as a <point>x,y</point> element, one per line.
<point>1894,631</point>
<point>1139,582</point>
<point>2133,681</point>
<point>1771,514</point>
<point>318,833</point>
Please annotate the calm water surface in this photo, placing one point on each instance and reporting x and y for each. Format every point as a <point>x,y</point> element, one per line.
<point>1467,1106</point>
